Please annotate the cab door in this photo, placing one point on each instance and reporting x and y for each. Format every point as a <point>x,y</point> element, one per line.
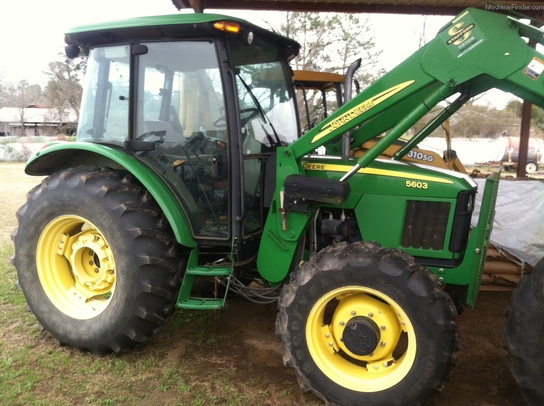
<point>181,109</point>
<point>268,119</point>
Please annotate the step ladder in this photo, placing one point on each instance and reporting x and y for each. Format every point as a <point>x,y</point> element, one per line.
<point>187,301</point>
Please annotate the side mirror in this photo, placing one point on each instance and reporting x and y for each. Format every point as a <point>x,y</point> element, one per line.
<point>71,51</point>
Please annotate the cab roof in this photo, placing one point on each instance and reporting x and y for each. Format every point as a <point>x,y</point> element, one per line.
<point>164,26</point>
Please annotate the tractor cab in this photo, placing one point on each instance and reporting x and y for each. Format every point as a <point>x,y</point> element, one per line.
<point>206,113</point>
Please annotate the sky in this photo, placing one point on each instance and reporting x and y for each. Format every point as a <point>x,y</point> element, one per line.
<point>31,31</point>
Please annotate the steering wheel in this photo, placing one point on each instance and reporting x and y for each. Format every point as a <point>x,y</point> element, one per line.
<point>251,112</point>
<point>158,134</point>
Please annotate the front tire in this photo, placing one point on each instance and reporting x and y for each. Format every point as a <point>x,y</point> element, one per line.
<point>524,335</point>
<point>361,324</point>
<point>96,260</point>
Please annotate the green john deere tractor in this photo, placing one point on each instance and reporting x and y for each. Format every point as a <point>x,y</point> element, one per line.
<point>189,166</point>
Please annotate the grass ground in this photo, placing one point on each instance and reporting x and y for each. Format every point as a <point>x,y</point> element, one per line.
<point>189,369</point>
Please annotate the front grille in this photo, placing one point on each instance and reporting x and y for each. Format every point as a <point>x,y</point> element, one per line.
<point>425,224</point>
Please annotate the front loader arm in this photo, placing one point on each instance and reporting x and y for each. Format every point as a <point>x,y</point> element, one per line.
<point>477,51</point>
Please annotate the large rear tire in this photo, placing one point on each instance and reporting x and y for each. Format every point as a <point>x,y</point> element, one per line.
<point>96,260</point>
<point>364,325</point>
<point>524,335</point>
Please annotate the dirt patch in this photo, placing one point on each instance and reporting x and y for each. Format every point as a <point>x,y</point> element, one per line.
<point>239,342</point>
<point>481,376</point>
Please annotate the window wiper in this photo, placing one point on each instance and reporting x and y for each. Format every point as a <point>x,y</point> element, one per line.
<point>272,142</point>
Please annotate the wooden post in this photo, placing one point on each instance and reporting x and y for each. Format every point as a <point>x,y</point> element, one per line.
<point>524,138</point>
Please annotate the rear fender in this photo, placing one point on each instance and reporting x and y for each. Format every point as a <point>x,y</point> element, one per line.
<point>59,156</point>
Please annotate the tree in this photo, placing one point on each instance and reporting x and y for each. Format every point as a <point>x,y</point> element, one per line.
<point>22,95</point>
<point>473,121</point>
<point>537,114</point>
<point>63,90</point>
<point>3,91</point>
<point>330,42</point>
<point>479,121</point>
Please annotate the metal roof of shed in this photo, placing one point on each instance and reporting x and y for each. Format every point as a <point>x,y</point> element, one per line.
<point>534,8</point>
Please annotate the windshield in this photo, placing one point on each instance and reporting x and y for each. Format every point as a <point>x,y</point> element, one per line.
<point>265,95</point>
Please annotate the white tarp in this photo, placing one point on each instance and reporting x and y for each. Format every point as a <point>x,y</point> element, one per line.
<point>473,150</point>
<point>519,218</point>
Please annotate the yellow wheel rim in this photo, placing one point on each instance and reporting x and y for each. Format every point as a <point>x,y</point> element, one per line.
<point>76,267</point>
<point>361,339</point>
